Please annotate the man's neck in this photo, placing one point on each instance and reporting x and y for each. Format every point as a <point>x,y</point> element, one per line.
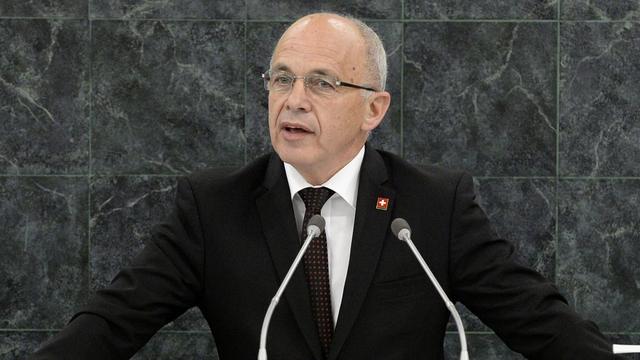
<point>344,182</point>
<point>318,175</point>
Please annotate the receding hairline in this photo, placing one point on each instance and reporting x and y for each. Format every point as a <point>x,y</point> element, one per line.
<point>374,53</point>
<point>310,17</point>
<point>354,27</point>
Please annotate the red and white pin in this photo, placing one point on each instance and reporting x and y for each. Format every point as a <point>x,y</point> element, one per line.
<point>382,203</point>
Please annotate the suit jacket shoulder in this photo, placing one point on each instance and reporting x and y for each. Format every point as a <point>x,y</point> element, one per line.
<point>422,179</point>
<point>227,178</point>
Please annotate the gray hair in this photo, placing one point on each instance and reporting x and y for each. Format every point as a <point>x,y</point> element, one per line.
<point>376,56</point>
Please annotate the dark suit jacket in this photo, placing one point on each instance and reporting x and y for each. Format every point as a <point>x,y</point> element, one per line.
<point>232,238</point>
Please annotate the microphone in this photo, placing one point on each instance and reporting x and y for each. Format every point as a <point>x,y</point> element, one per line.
<point>400,228</point>
<point>315,227</point>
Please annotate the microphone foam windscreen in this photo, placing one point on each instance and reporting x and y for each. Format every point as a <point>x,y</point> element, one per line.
<point>398,224</point>
<point>318,221</point>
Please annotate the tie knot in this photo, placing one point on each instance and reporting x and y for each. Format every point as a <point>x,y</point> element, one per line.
<point>314,198</point>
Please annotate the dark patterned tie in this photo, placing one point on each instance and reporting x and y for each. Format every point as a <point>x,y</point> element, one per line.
<point>316,268</point>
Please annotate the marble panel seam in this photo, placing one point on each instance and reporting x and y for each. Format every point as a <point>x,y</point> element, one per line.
<point>90,123</point>
<point>557,177</point>
<point>245,87</point>
<point>600,21</point>
<point>8,330</point>
<point>276,20</point>
<point>402,58</point>
<point>204,20</point>
<point>42,18</point>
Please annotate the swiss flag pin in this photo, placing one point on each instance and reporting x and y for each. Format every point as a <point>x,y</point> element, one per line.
<point>382,203</point>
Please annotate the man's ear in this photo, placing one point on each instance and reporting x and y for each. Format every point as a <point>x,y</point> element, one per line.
<point>377,105</point>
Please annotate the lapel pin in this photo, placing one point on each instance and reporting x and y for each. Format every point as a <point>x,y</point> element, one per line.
<point>382,203</point>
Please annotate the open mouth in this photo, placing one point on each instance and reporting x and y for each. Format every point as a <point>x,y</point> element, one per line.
<point>292,129</point>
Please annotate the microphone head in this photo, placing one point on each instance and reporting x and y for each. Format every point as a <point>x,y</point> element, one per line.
<point>317,221</point>
<point>399,224</point>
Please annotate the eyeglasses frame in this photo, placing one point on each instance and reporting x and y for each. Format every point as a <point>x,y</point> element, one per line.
<point>304,77</point>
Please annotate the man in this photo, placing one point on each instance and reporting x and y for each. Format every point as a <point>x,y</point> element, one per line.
<point>360,294</point>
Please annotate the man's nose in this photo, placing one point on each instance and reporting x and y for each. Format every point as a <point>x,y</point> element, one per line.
<point>298,99</point>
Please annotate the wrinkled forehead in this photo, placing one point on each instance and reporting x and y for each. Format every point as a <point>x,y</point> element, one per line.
<point>316,43</point>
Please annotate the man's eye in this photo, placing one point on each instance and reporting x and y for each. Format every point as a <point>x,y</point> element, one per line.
<point>282,80</point>
<point>322,84</point>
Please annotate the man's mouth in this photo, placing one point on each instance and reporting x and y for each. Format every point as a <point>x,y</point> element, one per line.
<point>296,129</point>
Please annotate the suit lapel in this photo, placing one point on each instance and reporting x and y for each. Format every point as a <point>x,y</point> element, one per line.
<point>370,229</point>
<point>278,225</point>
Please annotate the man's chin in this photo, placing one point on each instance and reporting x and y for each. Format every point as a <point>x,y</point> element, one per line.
<point>298,157</point>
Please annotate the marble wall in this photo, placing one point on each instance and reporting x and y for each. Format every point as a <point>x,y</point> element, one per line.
<point>104,102</point>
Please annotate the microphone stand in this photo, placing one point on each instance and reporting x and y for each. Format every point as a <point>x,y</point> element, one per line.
<point>402,231</point>
<point>464,355</point>
<point>312,232</point>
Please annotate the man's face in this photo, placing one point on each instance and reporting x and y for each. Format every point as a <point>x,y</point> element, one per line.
<point>315,132</point>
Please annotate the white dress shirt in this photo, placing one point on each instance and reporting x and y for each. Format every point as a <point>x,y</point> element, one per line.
<point>339,213</point>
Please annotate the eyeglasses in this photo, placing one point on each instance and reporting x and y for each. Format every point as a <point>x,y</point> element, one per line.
<point>319,84</point>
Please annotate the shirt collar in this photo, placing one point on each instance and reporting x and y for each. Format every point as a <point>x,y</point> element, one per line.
<point>343,183</point>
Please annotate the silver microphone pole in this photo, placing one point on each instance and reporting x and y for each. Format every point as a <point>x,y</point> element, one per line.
<point>401,230</point>
<point>315,227</point>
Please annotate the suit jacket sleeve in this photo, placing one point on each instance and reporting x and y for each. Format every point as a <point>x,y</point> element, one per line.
<point>161,282</point>
<point>525,310</point>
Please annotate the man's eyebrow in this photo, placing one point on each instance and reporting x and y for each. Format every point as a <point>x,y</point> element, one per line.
<point>281,67</point>
<point>322,72</point>
<point>319,71</point>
